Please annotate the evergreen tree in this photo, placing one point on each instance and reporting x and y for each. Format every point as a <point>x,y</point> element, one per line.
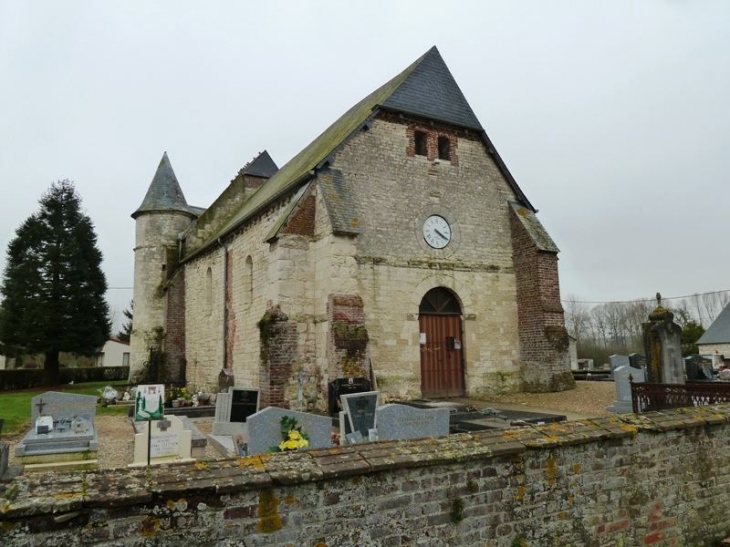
<point>53,285</point>
<point>126,333</point>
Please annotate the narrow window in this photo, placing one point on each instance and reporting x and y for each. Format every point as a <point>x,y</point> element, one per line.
<point>125,359</point>
<point>444,148</point>
<point>421,148</point>
<point>209,291</point>
<point>248,292</point>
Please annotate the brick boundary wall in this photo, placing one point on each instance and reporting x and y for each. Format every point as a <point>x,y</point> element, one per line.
<point>656,479</point>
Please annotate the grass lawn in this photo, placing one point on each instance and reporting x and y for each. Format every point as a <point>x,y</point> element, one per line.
<point>15,405</point>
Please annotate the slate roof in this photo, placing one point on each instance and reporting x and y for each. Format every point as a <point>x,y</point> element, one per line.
<point>164,193</point>
<point>719,331</point>
<point>430,91</point>
<point>261,166</point>
<point>426,88</point>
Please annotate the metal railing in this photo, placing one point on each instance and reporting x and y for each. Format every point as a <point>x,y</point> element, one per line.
<point>647,396</point>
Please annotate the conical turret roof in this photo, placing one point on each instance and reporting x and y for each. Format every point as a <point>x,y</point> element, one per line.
<point>164,193</point>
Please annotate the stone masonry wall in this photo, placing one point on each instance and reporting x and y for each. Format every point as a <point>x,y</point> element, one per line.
<point>657,479</point>
<point>174,343</point>
<point>155,244</point>
<point>391,267</point>
<point>544,340</point>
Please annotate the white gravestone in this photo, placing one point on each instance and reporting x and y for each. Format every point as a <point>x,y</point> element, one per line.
<point>169,442</point>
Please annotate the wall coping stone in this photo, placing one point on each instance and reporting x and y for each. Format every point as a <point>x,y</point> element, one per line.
<point>56,494</point>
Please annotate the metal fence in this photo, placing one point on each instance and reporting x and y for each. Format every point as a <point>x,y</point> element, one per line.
<point>647,396</point>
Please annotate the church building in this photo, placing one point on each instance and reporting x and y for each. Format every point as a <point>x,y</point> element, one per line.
<point>395,247</point>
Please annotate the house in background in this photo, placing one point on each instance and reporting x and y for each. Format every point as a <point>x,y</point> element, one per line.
<point>115,353</point>
<point>715,342</point>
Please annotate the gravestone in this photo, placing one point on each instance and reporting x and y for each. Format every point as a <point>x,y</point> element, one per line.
<point>233,408</point>
<point>406,422</point>
<point>264,429</point>
<point>62,433</point>
<point>617,360</point>
<point>168,442</point>
<point>622,404</point>
<point>198,441</point>
<point>663,347</point>
<point>637,360</point>
<point>360,411</point>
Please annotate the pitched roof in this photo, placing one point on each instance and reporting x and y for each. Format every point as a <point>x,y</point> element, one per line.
<point>164,193</point>
<point>426,88</point>
<point>261,166</point>
<point>430,91</point>
<point>719,331</point>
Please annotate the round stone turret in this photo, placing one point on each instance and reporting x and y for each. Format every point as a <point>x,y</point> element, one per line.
<point>163,216</point>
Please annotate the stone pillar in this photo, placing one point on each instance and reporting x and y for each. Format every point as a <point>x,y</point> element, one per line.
<point>663,347</point>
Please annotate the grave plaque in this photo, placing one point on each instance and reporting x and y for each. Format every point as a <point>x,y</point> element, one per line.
<point>360,410</point>
<point>149,402</point>
<point>617,361</point>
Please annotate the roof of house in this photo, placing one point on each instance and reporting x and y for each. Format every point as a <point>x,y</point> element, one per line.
<point>534,228</point>
<point>719,331</point>
<point>164,193</point>
<point>425,89</point>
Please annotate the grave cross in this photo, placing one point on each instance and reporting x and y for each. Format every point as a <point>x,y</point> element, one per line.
<point>40,404</point>
<point>162,425</point>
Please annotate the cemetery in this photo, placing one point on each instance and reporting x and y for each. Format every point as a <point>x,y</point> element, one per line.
<point>281,476</point>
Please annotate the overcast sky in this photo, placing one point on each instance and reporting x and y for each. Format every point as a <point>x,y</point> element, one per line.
<point>612,116</point>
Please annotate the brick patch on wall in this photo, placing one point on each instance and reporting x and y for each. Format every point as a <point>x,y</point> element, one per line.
<point>348,336</point>
<point>278,339</point>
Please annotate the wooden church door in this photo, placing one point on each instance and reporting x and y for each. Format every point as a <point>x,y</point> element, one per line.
<point>442,369</point>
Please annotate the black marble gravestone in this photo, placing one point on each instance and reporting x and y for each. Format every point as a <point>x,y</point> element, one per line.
<point>244,403</point>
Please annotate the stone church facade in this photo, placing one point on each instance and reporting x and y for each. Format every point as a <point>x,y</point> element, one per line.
<point>396,247</point>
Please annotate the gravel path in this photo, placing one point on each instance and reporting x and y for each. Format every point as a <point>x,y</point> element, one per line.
<point>116,434</point>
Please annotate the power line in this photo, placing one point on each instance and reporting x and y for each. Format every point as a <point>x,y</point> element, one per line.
<point>642,299</point>
<point>119,288</point>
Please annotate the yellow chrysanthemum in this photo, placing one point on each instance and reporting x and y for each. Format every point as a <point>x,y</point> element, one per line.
<point>294,435</point>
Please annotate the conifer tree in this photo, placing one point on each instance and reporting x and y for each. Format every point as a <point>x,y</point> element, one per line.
<point>126,333</point>
<point>53,287</point>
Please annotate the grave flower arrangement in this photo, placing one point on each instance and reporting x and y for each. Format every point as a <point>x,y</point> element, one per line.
<point>292,435</point>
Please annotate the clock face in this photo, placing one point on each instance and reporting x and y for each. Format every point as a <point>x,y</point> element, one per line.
<point>436,232</point>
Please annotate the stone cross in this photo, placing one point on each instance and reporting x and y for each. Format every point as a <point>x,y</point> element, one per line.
<point>162,425</point>
<point>40,404</point>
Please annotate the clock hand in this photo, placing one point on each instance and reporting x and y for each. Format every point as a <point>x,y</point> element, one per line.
<point>439,233</point>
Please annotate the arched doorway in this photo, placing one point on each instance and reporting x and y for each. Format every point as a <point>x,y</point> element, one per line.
<point>442,369</point>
